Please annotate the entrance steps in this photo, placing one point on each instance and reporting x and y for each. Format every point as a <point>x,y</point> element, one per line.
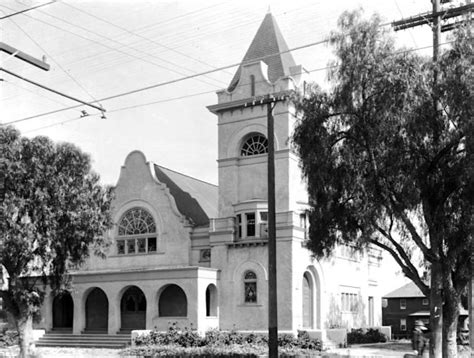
<point>90,339</point>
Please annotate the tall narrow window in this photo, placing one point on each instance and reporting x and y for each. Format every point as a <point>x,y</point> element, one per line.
<point>252,85</point>
<point>250,287</point>
<point>403,324</point>
<point>239,225</point>
<point>250,218</point>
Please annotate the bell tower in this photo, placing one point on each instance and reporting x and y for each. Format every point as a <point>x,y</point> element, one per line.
<point>238,236</point>
<point>268,68</point>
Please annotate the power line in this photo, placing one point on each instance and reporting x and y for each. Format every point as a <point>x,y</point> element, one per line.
<point>138,35</point>
<point>161,84</point>
<point>25,10</point>
<point>57,63</point>
<point>51,90</point>
<point>104,45</point>
<point>186,96</point>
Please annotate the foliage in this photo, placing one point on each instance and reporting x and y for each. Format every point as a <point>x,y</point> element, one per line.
<point>8,338</point>
<point>231,351</point>
<point>54,209</point>
<point>387,152</point>
<point>371,335</point>
<point>177,339</point>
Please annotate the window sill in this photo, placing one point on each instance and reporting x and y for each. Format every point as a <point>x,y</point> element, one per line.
<point>138,254</point>
<point>250,305</point>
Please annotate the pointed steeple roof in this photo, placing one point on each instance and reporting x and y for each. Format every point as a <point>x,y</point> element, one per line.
<point>267,46</point>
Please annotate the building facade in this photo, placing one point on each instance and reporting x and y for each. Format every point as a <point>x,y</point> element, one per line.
<point>190,252</point>
<point>407,304</point>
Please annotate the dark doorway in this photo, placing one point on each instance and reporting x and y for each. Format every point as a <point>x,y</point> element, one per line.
<point>63,311</point>
<point>173,302</point>
<point>133,309</point>
<point>307,302</point>
<point>97,311</point>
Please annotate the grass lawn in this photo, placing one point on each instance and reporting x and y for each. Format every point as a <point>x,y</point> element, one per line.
<point>62,352</point>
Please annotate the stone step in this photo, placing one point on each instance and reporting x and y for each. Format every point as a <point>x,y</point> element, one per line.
<point>62,339</point>
<point>80,344</point>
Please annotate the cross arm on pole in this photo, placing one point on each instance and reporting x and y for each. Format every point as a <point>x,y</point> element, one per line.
<point>24,56</point>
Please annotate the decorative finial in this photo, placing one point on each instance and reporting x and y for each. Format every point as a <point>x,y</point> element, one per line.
<point>269,10</point>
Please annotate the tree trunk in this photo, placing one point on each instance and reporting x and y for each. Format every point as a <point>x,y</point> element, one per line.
<point>450,326</point>
<point>24,326</point>
<point>436,311</point>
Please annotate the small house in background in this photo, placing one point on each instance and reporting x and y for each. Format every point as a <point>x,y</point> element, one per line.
<point>407,304</point>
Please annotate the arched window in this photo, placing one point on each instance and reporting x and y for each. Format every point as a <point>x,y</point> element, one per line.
<point>137,232</point>
<point>250,287</point>
<point>254,145</point>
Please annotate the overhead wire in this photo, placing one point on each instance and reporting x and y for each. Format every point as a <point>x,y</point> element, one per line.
<point>176,80</point>
<point>159,84</point>
<point>138,35</point>
<point>104,45</point>
<point>57,63</point>
<point>191,95</point>
<point>26,10</point>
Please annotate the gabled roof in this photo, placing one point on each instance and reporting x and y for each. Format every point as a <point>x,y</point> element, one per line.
<point>410,290</point>
<point>195,199</point>
<point>267,46</point>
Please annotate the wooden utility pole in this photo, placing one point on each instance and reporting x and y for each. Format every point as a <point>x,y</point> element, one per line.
<point>270,102</point>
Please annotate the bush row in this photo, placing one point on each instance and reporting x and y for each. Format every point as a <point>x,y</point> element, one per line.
<point>190,338</point>
<point>230,351</point>
<point>357,336</point>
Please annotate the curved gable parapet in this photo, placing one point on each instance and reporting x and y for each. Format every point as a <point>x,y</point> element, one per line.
<point>137,173</point>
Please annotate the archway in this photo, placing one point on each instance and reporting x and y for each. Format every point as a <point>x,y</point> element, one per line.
<point>308,299</point>
<point>173,302</point>
<point>97,311</point>
<point>63,311</point>
<point>211,301</point>
<point>133,309</point>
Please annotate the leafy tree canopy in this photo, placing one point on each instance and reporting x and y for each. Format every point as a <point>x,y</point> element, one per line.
<point>384,164</point>
<point>54,209</point>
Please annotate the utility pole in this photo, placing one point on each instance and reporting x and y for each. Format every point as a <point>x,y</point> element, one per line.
<point>434,19</point>
<point>270,101</point>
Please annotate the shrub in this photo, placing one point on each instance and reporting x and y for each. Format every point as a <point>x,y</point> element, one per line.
<point>357,336</point>
<point>230,351</point>
<point>8,338</point>
<point>177,342</point>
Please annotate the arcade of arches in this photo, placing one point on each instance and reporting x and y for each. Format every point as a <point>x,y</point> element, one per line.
<point>172,302</point>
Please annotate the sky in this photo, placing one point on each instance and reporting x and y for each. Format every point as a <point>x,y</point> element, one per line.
<point>99,49</point>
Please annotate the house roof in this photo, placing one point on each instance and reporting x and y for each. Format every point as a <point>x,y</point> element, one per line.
<point>195,199</point>
<point>267,46</point>
<point>406,291</point>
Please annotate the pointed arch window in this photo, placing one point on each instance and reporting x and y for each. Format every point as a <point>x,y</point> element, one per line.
<point>255,144</point>
<point>136,233</point>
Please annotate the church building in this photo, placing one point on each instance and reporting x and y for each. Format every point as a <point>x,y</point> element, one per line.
<point>190,252</point>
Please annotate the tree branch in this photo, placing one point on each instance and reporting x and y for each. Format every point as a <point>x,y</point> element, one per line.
<point>408,273</point>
